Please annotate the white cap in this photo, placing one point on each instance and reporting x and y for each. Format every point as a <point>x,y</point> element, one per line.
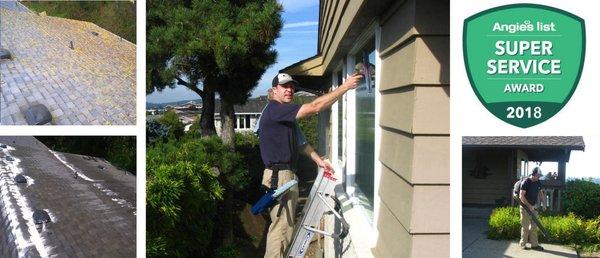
<point>283,78</point>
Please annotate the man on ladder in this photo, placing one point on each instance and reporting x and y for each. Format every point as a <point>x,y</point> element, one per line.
<point>279,151</point>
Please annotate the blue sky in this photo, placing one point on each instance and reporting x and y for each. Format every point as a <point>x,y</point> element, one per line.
<point>297,41</point>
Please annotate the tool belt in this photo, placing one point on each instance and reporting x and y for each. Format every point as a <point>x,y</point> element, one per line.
<point>275,167</point>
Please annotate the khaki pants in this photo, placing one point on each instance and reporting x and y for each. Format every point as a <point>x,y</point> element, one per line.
<point>528,229</point>
<point>282,226</point>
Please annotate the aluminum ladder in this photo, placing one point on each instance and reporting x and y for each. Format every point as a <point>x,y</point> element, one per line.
<point>321,200</point>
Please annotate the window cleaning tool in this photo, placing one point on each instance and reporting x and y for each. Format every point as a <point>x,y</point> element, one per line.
<point>272,197</point>
<point>321,200</point>
<point>534,218</point>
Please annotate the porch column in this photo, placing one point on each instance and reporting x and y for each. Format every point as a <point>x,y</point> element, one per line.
<point>562,171</point>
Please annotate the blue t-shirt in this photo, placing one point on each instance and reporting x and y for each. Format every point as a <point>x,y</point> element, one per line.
<point>277,136</point>
<point>532,190</point>
<point>300,138</point>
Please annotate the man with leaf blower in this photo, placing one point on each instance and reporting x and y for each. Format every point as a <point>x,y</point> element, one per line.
<point>279,151</point>
<point>528,192</point>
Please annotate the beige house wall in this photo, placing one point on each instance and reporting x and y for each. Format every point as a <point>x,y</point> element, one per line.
<point>414,215</point>
<point>496,186</point>
<point>414,85</point>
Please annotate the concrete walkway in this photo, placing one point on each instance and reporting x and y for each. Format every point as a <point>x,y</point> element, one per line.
<point>476,244</point>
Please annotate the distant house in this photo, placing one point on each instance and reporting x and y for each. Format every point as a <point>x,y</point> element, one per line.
<point>246,115</point>
<point>491,166</point>
<point>388,139</point>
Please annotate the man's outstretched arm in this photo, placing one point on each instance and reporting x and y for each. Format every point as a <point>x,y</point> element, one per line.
<point>323,102</point>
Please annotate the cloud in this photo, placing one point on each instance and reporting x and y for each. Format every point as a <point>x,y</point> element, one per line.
<point>300,24</point>
<point>296,5</point>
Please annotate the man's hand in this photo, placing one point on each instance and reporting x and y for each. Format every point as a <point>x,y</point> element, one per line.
<point>352,81</point>
<point>325,165</point>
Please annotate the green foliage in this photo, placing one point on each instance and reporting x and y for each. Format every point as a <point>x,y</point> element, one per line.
<point>247,144</point>
<point>187,182</point>
<point>195,128</point>
<point>582,197</point>
<point>228,251</point>
<point>118,150</point>
<point>211,46</point>
<point>156,131</point>
<point>171,120</point>
<point>571,230</point>
<point>504,223</point>
<point>114,16</point>
<point>308,125</point>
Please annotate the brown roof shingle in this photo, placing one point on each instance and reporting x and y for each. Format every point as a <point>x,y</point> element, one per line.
<point>567,142</point>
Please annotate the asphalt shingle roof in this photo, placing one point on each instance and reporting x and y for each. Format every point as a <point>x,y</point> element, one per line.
<point>91,203</point>
<point>568,142</point>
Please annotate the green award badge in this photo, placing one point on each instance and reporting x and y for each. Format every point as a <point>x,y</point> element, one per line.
<point>524,60</point>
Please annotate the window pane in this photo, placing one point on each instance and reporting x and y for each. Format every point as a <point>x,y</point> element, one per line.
<point>365,126</point>
<point>247,121</point>
<point>340,115</point>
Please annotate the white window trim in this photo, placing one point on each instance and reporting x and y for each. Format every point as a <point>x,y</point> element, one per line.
<point>364,232</point>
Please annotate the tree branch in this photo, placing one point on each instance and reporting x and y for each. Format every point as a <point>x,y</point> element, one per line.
<point>189,86</point>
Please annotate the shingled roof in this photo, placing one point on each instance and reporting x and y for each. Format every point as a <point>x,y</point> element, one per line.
<point>90,203</point>
<point>81,72</point>
<point>254,105</point>
<point>563,142</point>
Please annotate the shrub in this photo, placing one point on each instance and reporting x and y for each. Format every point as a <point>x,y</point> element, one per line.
<point>171,119</point>
<point>182,196</point>
<point>565,229</point>
<point>505,223</point>
<point>569,230</point>
<point>156,131</point>
<point>582,197</point>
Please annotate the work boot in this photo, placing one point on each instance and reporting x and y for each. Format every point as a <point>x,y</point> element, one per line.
<point>537,248</point>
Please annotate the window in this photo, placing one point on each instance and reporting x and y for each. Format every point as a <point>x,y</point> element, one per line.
<point>340,115</point>
<point>365,126</point>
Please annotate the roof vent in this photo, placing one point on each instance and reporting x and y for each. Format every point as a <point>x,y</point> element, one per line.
<point>20,179</point>
<point>38,115</point>
<point>3,146</point>
<point>40,217</point>
<point>95,33</point>
<point>100,167</point>
<point>9,158</point>
<point>5,54</point>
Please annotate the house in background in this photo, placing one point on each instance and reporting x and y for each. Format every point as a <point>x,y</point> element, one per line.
<point>389,138</point>
<point>246,115</point>
<point>491,166</point>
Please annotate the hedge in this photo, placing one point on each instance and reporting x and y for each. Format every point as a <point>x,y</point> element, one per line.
<point>571,230</point>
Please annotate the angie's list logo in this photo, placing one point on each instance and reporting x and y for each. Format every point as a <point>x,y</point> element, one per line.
<point>524,60</point>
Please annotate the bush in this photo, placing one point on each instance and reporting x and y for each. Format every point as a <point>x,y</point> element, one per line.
<point>171,120</point>
<point>182,197</point>
<point>188,181</point>
<point>569,230</point>
<point>582,197</point>
<point>156,131</point>
<point>505,223</point>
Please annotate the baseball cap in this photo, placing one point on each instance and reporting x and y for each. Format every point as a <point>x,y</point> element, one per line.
<point>537,171</point>
<point>283,78</point>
